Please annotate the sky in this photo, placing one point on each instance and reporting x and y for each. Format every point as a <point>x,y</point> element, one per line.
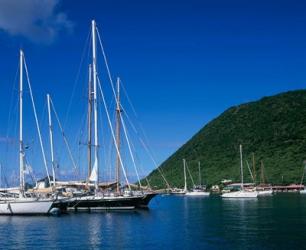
<point>182,64</point>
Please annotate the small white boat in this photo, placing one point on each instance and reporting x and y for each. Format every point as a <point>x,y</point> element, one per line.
<point>264,189</point>
<point>265,192</point>
<point>197,192</point>
<point>178,191</point>
<point>303,191</point>
<point>240,194</point>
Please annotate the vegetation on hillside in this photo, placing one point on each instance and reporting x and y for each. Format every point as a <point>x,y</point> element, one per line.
<point>273,128</point>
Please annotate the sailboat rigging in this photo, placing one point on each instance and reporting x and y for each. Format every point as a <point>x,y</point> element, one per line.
<point>242,193</point>
<point>26,202</point>
<point>263,189</point>
<point>198,190</point>
<point>99,199</point>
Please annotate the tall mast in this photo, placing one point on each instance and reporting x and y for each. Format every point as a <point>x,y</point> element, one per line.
<point>200,173</point>
<point>241,167</point>
<point>118,112</point>
<point>51,138</point>
<point>254,167</point>
<point>21,152</point>
<point>94,68</point>
<point>185,177</point>
<point>89,120</point>
<point>262,173</point>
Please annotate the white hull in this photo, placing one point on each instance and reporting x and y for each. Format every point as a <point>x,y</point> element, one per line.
<point>303,191</point>
<point>25,206</point>
<point>100,208</point>
<point>197,193</point>
<point>240,194</point>
<point>265,193</point>
<point>178,193</point>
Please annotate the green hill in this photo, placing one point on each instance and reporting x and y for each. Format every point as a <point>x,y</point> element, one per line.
<point>273,128</point>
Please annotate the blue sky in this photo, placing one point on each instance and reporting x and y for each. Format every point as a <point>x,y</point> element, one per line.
<point>182,63</point>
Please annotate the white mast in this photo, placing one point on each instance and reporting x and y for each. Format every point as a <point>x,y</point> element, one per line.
<point>200,173</point>
<point>94,68</point>
<point>118,111</point>
<point>89,143</point>
<point>51,138</point>
<point>185,177</point>
<point>21,153</point>
<point>241,167</point>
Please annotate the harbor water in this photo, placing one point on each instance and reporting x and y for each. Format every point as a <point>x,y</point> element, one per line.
<point>171,222</point>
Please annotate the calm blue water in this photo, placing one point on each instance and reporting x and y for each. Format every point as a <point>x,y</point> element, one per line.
<point>172,222</point>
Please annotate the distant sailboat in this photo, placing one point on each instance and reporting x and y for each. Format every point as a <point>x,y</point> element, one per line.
<point>263,189</point>
<point>198,190</point>
<point>24,203</point>
<point>242,193</point>
<point>303,191</point>
<point>181,191</point>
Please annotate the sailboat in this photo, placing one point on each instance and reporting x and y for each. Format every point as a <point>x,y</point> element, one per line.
<point>25,203</point>
<point>97,199</point>
<point>303,191</point>
<point>200,189</point>
<point>181,191</point>
<point>263,189</point>
<point>242,193</point>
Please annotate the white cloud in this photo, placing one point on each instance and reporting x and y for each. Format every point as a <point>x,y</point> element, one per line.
<point>37,20</point>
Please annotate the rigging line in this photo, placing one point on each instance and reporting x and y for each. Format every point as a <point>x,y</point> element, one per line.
<point>189,174</point>
<point>42,120</point>
<point>113,89</point>
<point>30,170</point>
<point>147,149</point>
<point>111,81</point>
<point>129,147</point>
<point>81,171</point>
<point>11,108</point>
<point>80,131</point>
<point>137,158</point>
<point>113,135</point>
<point>64,137</point>
<point>103,143</point>
<point>129,100</point>
<point>106,63</point>
<point>304,168</point>
<point>79,139</point>
<point>11,102</point>
<point>129,120</point>
<point>154,162</point>
<point>36,119</point>
<point>135,113</point>
<point>110,152</point>
<point>134,127</point>
<point>250,171</point>
<point>77,78</point>
<point>135,130</point>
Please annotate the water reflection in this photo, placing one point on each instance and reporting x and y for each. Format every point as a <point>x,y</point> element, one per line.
<point>171,223</point>
<point>95,233</point>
